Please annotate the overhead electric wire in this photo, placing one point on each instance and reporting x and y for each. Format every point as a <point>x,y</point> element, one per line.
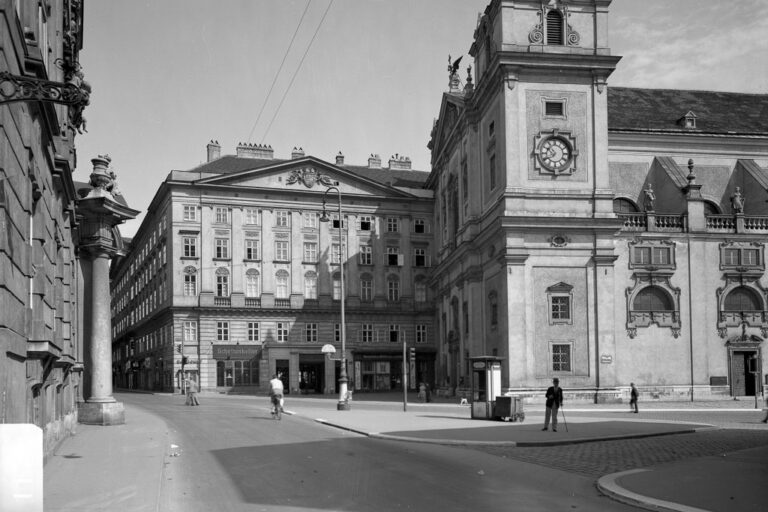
<point>297,70</point>
<point>271,87</point>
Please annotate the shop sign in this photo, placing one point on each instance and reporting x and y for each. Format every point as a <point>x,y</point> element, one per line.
<point>478,365</point>
<point>236,351</point>
<point>606,359</point>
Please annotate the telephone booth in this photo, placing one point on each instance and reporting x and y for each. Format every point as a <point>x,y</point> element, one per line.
<point>487,401</point>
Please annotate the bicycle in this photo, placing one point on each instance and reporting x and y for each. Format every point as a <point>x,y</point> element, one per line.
<point>277,409</point>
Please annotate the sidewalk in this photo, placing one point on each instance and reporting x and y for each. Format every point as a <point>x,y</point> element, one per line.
<point>121,467</point>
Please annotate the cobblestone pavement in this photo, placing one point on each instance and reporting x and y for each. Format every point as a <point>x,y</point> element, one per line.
<point>739,431</point>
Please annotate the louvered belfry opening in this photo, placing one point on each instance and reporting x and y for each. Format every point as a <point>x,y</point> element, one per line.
<point>554,27</point>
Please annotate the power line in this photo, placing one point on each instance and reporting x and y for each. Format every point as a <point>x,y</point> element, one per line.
<point>297,70</point>
<point>287,51</point>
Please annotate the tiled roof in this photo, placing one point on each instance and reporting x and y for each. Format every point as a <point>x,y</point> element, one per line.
<point>661,109</point>
<point>398,178</point>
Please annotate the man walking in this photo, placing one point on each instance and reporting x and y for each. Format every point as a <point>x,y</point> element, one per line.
<point>554,398</point>
<point>633,398</point>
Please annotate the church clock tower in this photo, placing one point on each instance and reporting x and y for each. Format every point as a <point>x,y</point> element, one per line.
<point>529,256</point>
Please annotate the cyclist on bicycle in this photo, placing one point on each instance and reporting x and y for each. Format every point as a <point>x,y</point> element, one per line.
<point>276,393</point>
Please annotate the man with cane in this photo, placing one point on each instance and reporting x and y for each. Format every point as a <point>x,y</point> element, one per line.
<point>554,398</point>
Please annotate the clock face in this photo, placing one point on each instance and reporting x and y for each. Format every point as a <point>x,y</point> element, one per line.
<point>555,154</point>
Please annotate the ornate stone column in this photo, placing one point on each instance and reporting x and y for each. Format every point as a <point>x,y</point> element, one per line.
<point>99,213</point>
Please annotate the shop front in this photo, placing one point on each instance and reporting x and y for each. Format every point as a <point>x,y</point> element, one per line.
<point>237,365</point>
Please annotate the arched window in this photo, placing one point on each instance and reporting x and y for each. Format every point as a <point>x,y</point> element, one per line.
<point>310,285</point>
<point>554,27</point>
<point>252,283</point>
<point>622,205</point>
<point>711,208</point>
<point>652,298</point>
<point>281,284</point>
<point>222,282</point>
<point>742,299</point>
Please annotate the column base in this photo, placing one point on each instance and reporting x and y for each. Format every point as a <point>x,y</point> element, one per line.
<point>101,413</point>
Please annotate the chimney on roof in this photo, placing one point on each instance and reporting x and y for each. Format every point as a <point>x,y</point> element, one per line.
<point>262,152</point>
<point>340,159</point>
<point>297,153</point>
<point>401,163</point>
<point>214,150</point>
<point>374,161</point>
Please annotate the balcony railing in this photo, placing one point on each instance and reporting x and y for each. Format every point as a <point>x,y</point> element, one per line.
<point>251,302</point>
<point>222,301</point>
<point>679,223</point>
<point>282,303</point>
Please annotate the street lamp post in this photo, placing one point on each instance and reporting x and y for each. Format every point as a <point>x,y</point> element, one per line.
<point>343,404</point>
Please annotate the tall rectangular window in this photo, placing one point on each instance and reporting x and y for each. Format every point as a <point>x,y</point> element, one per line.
<point>561,308</point>
<point>366,333</point>
<point>222,248</point>
<point>282,332</point>
<point>222,285</point>
<point>254,331</point>
<point>419,257</point>
<point>337,332</point>
<point>190,285</point>
<point>561,357</point>
<point>393,256</point>
<point>366,255</point>
<point>222,331</point>
<point>365,223</point>
<point>189,246</point>
<point>190,212</point>
<point>421,333</point>
<point>393,224</point>
<point>252,249</point>
<point>282,219</point>
<point>393,290</point>
<point>189,331</point>
<point>310,220</point>
<point>394,333</point>
<point>366,290</point>
<point>221,215</point>
<point>281,250</point>
<point>310,252</point>
<point>419,226</point>
<point>253,216</point>
<point>311,333</point>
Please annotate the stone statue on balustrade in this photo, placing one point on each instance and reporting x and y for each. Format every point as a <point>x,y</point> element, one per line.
<point>649,202</point>
<point>737,201</point>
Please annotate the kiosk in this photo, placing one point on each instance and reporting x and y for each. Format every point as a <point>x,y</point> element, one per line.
<point>487,402</point>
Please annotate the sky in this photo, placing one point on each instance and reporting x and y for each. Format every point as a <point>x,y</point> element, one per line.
<point>361,76</point>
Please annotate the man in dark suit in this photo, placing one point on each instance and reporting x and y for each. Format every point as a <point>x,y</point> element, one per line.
<point>554,402</point>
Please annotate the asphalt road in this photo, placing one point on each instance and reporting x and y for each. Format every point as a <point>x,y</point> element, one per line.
<point>230,455</point>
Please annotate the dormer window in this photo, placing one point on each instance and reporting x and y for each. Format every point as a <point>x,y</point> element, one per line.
<point>555,27</point>
<point>688,121</point>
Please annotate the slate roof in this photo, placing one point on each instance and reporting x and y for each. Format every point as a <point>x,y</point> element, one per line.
<point>661,109</point>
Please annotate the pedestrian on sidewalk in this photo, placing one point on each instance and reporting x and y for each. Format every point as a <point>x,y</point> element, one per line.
<point>422,392</point>
<point>193,390</point>
<point>765,418</point>
<point>428,393</point>
<point>633,398</point>
<point>554,401</point>
<point>187,386</point>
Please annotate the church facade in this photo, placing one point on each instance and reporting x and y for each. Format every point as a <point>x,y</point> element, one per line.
<point>595,234</point>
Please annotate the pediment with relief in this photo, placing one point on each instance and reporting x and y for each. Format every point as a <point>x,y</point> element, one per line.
<point>302,175</point>
<point>450,115</point>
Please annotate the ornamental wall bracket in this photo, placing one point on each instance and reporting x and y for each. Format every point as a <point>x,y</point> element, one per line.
<point>75,93</point>
<point>309,177</point>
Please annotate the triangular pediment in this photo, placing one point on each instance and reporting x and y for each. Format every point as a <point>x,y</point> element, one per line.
<point>306,174</point>
<point>451,111</point>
